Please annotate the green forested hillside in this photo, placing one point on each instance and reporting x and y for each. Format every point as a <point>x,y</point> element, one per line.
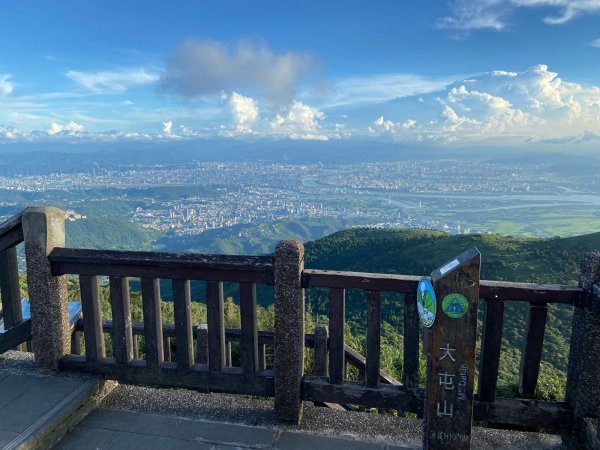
<point>108,233</point>
<point>254,238</point>
<point>419,252</point>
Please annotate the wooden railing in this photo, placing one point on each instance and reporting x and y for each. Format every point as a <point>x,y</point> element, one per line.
<point>407,397</point>
<point>209,367</point>
<point>188,369</point>
<point>15,330</point>
<point>266,341</point>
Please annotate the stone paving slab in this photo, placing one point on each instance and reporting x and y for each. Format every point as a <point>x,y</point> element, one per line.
<point>37,408</point>
<point>180,428</point>
<point>109,429</point>
<point>14,386</point>
<point>82,437</point>
<point>123,440</point>
<point>301,441</point>
<point>35,402</point>
<point>380,429</point>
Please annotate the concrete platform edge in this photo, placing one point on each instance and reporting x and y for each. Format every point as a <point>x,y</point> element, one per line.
<point>59,421</point>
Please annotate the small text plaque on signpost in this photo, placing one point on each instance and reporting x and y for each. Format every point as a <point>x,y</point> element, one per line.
<point>450,349</point>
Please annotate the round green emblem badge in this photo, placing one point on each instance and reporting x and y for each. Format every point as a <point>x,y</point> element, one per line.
<point>426,304</point>
<point>455,305</point>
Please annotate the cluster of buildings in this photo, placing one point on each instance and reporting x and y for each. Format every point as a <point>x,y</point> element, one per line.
<point>189,199</point>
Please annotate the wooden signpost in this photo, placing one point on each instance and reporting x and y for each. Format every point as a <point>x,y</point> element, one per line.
<point>450,349</point>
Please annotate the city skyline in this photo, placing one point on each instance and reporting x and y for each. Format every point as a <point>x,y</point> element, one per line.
<point>463,72</point>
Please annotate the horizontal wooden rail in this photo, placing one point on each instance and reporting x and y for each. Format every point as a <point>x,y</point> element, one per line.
<point>489,290</point>
<point>359,280</point>
<point>523,412</point>
<point>530,292</point>
<point>177,266</point>
<point>355,393</point>
<point>231,334</point>
<point>504,411</point>
<point>11,232</point>
<point>16,335</point>
<point>231,379</point>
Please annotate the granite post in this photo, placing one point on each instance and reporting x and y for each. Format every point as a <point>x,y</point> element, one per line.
<point>289,331</point>
<point>583,372</point>
<point>321,359</point>
<point>44,229</point>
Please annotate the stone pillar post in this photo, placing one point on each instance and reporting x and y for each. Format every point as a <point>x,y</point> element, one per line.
<point>289,331</point>
<point>44,229</point>
<point>583,372</point>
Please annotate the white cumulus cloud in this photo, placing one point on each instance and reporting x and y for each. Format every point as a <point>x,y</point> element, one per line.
<point>112,81</point>
<point>6,86</point>
<point>381,124</point>
<point>534,105</point>
<point>245,112</point>
<point>167,127</point>
<point>67,128</point>
<point>299,121</point>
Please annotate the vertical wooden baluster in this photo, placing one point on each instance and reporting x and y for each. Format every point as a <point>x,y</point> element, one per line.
<point>183,323</point>
<point>337,355</point>
<point>320,357</point>
<point>227,353</point>
<point>202,343</point>
<point>490,350</point>
<point>75,343</point>
<point>122,334</point>
<point>153,333</point>
<point>262,359</point>
<point>532,350</point>
<point>373,355</point>
<point>135,347</point>
<point>216,325</point>
<point>92,321</point>
<point>9,286</point>
<point>166,348</point>
<point>410,376</point>
<point>249,341</point>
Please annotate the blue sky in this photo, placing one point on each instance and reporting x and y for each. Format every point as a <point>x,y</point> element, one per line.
<point>448,72</point>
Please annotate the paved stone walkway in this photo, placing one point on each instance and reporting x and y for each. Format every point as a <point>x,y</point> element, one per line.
<point>111,429</point>
<point>33,408</point>
<point>37,409</point>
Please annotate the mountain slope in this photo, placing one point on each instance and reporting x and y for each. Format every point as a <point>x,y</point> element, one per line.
<point>419,252</point>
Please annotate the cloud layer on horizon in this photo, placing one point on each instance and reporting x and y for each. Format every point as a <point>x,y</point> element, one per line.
<point>514,107</point>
